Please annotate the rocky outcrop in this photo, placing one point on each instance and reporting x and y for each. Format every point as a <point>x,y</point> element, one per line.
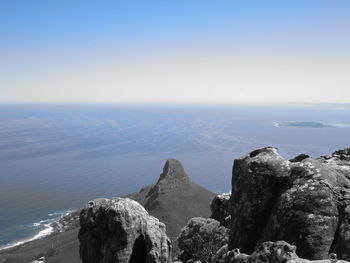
<point>68,222</point>
<point>305,202</point>
<point>174,199</point>
<point>201,239</point>
<point>121,230</point>
<point>274,252</point>
<point>39,260</point>
<point>219,207</point>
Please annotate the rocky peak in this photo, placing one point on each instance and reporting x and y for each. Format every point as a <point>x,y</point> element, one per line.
<point>173,177</point>
<point>173,169</point>
<point>174,198</point>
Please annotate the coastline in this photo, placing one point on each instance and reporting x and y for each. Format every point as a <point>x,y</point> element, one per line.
<point>55,223</point>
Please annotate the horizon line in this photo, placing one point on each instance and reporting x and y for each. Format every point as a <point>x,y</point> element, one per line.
<point>172,103</point>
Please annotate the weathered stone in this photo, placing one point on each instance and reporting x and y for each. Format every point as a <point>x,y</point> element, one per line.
<point>219,207</point>
<point>299,158</point>
<point>274,252</point>
<point>121,230</point>
<point>256,184</point>
<point>201,239</point>
<point>304,202</point>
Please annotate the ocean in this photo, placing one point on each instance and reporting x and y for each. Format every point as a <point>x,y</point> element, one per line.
<point>54,158</point>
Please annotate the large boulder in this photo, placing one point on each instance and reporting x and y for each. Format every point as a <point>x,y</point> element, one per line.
<point>121,230</point>
<point>274,252</point>
<point>201,239</point>
<point>304,202</point>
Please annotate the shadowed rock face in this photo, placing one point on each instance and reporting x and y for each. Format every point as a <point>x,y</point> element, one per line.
<point>121,230</point>
<point>304,202</point>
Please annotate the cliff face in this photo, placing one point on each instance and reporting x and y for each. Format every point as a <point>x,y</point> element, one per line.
<point>174,199</point>
<point>121,230</point>
<point>305,201</point>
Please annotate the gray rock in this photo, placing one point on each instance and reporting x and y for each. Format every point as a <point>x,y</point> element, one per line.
<point>39,260</point>
<point>304,202</point>
<point>219,207</point>
<point>121,230</point>
<point>274,252</point>
<point>299,158</point>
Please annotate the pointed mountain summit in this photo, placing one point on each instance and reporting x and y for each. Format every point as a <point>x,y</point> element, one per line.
<point>174,199</point>
<point>173,169</point>
<point>172,178</point>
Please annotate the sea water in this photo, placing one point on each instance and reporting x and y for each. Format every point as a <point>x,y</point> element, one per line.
<point>56,157</point>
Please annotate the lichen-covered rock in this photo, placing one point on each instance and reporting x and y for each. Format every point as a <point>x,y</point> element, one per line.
<point>274,252</point>
<point>121,230</point>
<point>304,202</point>
<point>219,207</point>
<point>201,239</point>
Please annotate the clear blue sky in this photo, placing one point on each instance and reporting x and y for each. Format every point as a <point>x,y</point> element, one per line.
<point>138,50</point>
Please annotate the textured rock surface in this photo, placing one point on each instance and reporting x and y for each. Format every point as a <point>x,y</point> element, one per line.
<point>174,199</point>
<point>219,207</point>
<point>272,252</point>
<point>304,202</point>
<point>121,230</point>
<point>201,239</point>
<point>39,260</point>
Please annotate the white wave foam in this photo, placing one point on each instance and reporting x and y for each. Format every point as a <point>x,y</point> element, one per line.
<point>43,222</point>
<point>43,233</point>
<point>46,224</point>
<point>60,213</point>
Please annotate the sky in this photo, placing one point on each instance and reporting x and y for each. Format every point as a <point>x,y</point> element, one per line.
<point>179,51</point>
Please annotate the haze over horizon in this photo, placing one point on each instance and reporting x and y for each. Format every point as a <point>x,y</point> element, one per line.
<point>177,52</point>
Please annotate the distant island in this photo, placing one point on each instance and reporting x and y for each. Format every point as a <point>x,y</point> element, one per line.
<point>303,124</point>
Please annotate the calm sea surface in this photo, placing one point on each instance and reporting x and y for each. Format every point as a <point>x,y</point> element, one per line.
<point>56,157</point>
